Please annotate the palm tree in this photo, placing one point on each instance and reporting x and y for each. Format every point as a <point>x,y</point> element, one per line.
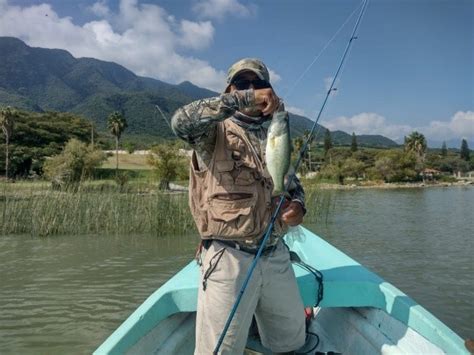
<point>7,121</point>
<point>416,144</point>
<point>116,124</point>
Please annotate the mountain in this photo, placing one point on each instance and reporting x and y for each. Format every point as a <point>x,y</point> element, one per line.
<point>40,79</point>
<point>363,140</point>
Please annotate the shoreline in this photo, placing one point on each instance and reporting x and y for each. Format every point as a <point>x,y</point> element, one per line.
<point>392,186</point>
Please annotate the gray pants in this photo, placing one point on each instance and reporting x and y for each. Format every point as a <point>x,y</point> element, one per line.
<point>271,295</point>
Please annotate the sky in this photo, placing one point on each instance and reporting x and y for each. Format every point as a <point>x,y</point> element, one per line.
<point>411,68</point>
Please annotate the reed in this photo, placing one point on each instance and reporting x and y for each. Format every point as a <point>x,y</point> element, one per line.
<point>94,210</point>
<point>100,207</point>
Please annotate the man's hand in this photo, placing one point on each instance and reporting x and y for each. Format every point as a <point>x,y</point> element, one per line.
<point>292,213</point>
<point>266,100</point>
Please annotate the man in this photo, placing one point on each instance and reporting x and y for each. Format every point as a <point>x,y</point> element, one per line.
<point>230,199</point>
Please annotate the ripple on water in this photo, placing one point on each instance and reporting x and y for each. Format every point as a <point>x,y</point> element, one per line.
<point>66,294</point>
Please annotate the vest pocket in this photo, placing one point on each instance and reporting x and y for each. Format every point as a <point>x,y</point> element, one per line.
<point>232,218</point>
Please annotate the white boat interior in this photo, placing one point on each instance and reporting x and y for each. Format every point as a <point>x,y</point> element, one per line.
<point>344,330</point>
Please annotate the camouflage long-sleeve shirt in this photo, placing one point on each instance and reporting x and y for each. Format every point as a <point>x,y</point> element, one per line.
<point>196,122</point>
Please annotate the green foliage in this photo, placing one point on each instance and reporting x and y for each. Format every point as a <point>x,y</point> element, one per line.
<point>342,167</point>
<point>39,135</point>
<point>7,123</point>
<point>451,163</point>
<point>446,178</point>
<point>98,210</point>
<point>416,143</point>
<point>130,147</point>
<point>122,179</point>
<point>395,166</point>
<point>464,154</point>
<point>116,124</point>
<point>334,170</point>
<point>444,150</point>
<point>353,168</point>
<point>327,141</point>
<point>168,164</point>
<point>75,163</point>
<point>354,143</point>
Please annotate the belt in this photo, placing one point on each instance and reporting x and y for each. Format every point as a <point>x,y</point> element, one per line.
<point>267,250</point>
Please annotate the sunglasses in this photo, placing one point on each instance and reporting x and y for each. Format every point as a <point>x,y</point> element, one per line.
<point>244,84</point>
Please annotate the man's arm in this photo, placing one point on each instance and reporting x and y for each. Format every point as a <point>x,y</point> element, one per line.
<point>195,123</point>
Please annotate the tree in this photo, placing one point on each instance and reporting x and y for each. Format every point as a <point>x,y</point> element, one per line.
<point>327,141</point>
<point>395,165</point>
<point>416,144</point>
<point>116,124</point>
<point>353,167</point>
<point>354,143</point>
<point>167,163</point>
<point>7,122</point>
<point>37,136</point>
<point>75,163</point>
<point>444,150</point>
<point>465,150</point>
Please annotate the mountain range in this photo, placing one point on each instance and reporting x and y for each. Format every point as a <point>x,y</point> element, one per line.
<point>40,79</point>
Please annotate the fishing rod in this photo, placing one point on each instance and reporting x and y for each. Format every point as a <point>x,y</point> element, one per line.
<point>163,115</point>
<point>288,184</point>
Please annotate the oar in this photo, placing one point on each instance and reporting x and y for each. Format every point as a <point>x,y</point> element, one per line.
<point>282,195</point>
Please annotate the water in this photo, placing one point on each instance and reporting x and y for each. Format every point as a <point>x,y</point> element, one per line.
<point>420,240</point>
<point>66,294</point>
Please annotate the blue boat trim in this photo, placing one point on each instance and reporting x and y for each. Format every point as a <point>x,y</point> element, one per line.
<point>346,284</point>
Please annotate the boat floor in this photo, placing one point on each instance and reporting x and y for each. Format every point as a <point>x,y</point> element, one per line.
<point>341,330</point>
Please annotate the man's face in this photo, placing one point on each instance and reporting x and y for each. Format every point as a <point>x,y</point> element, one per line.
<point>247,75</point>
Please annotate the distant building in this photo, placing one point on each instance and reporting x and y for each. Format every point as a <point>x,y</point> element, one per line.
<point>430,174</point>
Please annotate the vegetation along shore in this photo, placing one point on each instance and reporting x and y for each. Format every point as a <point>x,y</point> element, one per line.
<point>62,176</point>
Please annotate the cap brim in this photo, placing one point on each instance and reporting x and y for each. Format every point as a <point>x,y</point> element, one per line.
<point>261,77</point>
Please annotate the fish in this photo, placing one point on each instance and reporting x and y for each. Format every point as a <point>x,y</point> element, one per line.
<point>278,150</point>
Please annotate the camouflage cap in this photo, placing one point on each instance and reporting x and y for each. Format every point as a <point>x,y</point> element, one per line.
<point>252,64</point>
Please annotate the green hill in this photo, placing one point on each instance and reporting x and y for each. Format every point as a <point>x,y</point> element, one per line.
<point>40,79</point>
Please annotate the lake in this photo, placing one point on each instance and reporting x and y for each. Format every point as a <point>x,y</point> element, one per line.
<point>66,294</point>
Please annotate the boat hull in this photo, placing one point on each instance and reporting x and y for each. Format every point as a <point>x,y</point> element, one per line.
<point>351,294</point>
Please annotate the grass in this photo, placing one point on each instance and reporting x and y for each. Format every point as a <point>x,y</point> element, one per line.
<point>94,209</point>
<point>101,207</point>
<point>128,162</point>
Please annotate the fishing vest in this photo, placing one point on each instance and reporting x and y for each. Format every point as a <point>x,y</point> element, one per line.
<point>231,198</point>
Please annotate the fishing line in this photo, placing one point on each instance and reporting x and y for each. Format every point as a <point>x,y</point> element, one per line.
<point>293,86</point>
<point>290,180</point>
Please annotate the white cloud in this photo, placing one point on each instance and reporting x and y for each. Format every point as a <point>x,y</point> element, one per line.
<point>460,125</point>
<point>196,35</point>
<point>296,110</point>
<point>274,76</point>
<point>142,37</point>
<point>368,123</point>
<point>100,9</point>
<point>218,9</point>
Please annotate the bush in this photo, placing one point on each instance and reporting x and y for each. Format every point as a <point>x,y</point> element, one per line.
<point>75,163</point>
<point>168,164</point>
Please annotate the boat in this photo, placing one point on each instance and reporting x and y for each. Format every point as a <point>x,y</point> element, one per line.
<point>360,313</point>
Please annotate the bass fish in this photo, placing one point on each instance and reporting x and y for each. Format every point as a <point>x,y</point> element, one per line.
<point>278,150</point>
